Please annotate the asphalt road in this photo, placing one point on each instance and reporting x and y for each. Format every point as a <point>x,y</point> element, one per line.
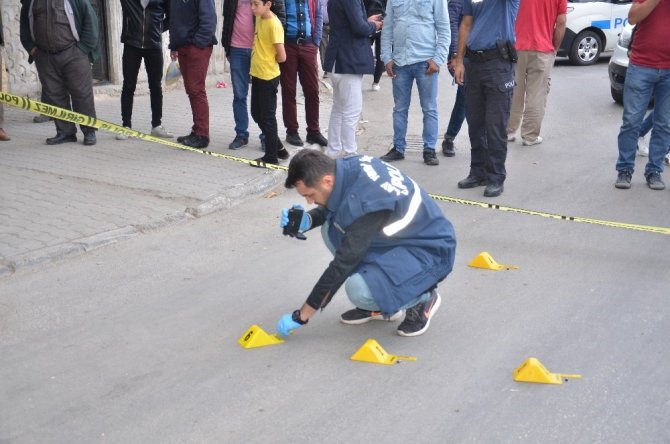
<point>137,342</point>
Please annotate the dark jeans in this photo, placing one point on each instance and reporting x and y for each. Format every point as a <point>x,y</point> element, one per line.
<point>300,63</point>
<point>264,113</point>
<point>488,93</point>
<point>457,114</point>
<point>647,124</point>
<point>193,63</point>
<point>66,80</point>
<point>153,63</point>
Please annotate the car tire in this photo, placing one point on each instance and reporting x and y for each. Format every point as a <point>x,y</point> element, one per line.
<point>617,95</point>
<point>586,48</point>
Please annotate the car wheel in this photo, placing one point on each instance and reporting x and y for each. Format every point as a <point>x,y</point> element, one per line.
<point>617,95</point>
<point>586,48</point>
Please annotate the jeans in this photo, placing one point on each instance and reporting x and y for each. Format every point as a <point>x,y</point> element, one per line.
<point>153,63</point>
<point>240,60</point>
<point>457,115</point>
<point>264,113</point>
<point>193,63</point>
<point>402,94</point>
<point>647,124</point>
<point>641,84</point>
<point>357,289</point>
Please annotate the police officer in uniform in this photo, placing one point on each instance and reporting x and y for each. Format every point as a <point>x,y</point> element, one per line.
<point>485,64</point>
<point>391,242</point>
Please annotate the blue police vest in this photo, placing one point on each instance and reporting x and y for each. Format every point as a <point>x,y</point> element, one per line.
<point>414,251</point>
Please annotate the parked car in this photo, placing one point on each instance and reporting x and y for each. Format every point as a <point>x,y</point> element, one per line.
<point>619,64</point>
<point>592,29</point>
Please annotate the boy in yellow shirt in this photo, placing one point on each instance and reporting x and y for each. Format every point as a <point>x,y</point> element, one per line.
<point>268,52</point>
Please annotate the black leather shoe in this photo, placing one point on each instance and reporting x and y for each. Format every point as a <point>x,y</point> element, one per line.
<point>90,138</point>
<point>283,154</point>
<point>195,141</point>
<point>448,147</point>
<point>180,139</point>
<point>471,182</point>
<point>493,190</point>
<point>317,138</point>
<point>294,139</point>
<point>61,138</point>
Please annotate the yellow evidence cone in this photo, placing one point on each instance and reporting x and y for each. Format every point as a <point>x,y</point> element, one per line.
<point>484,260</point>
<point>257,337</point>
<point>373,353</point>
<point>532,370</point>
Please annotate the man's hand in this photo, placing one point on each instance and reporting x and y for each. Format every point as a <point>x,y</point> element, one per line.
<point>173,55</point>
<point>33,51</point>
<point>286,325</point>
<point>389,69</point>
<point>459,72</point>
<point>377,20</point>
<point>432,67</point>
<point>305,222</point>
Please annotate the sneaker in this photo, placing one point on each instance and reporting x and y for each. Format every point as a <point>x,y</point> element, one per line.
<point>393,155</point>
<point>375,87</point>
<point>160,131</point>
<point>181,139</point>
<point>623,179</point>
<point>448,147</point>
<point>532,142</point>
<point>294,139</point>
<point>643,146</point>
<point>418,317</point>
<point>667,159</point>
<point>317,138</point>
<point>654,181</point>
<point>429,158</point>
<point>90,138</point>
<point>511,137</point>
<point>238,142</point>
<point>41,119</point>
<point>195,141</point>
<point>283,154</point>
<point>360,316</point>
<point>121,137</point>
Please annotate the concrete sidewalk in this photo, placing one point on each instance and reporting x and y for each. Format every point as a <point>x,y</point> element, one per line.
<point>57,201</point>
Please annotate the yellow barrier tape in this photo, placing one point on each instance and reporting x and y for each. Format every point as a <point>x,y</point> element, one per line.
<point>71,116</point>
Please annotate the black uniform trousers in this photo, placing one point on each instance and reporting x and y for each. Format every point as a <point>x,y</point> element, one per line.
<point>489,85</point>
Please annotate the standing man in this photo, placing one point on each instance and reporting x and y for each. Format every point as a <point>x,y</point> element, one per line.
<point>144,22</point>
<point>458,111</point>
<point>61,36</point>
<point>391,242</point>
<point>648,75</point>
<point>415,43</point>
<point>540,27</point>
<point>486,43</point>
<point>304,23</point>
<point>192,28</point>
<point>237,38</point>
<point>3,135</point>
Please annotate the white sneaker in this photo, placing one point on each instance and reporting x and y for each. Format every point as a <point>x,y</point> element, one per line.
<point>643,146</point>
<point>667,159</point>
<point>160,131</point>
<point>375,87</point>
<point>511,137</point>
<point>121,137</point>
<point>532,142</point>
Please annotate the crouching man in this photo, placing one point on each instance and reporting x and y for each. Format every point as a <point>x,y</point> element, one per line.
<point>391,243</point>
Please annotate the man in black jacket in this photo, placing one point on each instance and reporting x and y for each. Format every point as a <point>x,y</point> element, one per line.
<point>144,22</point>
<point>237,39</point>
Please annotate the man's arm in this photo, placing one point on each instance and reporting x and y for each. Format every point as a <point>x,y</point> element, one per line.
<point>559,31</point>
<point>26,35</point>
<point>88,34</point>
<point>463,33</point>
<point>207,24</point>
<point>442,31</point>
<point>640,11</point>
<point>355,244</point>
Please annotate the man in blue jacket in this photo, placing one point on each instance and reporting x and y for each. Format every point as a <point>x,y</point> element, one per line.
<point>192,28</point>
<point>391,242</point>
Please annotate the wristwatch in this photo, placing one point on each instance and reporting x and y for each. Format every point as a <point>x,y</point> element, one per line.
<point>296,318</point>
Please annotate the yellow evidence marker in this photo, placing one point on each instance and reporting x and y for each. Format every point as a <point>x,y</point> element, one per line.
<point>532,370</point>
<point>373,353</point>
<point>257,337</point>
<point>484,260</point>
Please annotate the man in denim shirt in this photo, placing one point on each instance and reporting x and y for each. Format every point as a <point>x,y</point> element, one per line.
<point>415,43</point>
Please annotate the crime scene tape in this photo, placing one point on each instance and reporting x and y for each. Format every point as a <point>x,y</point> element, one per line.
<point>71,116</point>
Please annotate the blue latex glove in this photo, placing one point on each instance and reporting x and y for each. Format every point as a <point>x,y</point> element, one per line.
<point>286,324</point>
<point>305,222</point>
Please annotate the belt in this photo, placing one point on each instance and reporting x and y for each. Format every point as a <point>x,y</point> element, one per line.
<point>57,51</point>
<point>298,40</point>
<point>482,56</point>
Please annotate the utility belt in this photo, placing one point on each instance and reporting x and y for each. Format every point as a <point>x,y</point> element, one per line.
<point>504,50</point>
<point>56,51</point>
<point>298,40</point>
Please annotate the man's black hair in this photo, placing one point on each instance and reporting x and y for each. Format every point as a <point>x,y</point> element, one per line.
<point>309,166</point>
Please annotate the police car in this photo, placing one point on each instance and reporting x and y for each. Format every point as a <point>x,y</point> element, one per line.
<point>592,29</point>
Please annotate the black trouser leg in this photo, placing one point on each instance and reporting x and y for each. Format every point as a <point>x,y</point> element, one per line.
<point>153,63</point>
<point>264,113</point>
<point>132,58</point>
